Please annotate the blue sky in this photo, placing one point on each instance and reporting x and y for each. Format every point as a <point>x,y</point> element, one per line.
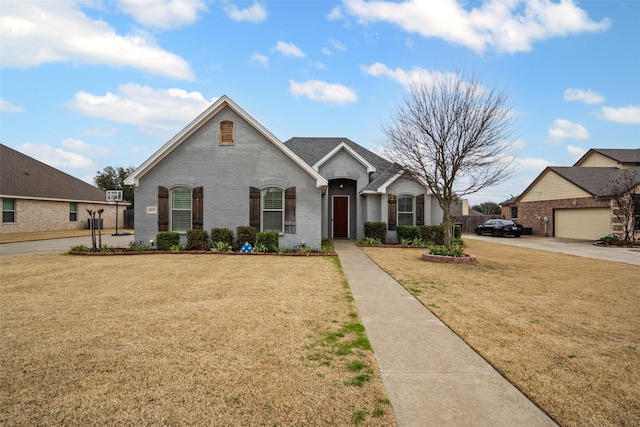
<point>86,84</point>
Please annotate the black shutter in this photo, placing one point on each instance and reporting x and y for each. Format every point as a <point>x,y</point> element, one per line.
<point>420,209</point>
<point>197,208</point>
<point>254,207</point>
<point>163,209</point>
<point>391,211</point>
<point>290,210</point>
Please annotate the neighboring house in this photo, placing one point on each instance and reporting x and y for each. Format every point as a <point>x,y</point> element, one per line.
<point>578,201</point>
<point>226,170</point>
<point>38,197</point>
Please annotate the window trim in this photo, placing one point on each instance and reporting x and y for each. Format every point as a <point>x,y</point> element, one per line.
<point>172,209</point>
<point>512,210</point>
<point>413,209</point>
<point>9,211</point>
<point>263,191</point>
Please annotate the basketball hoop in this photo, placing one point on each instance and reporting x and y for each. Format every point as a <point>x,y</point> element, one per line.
<point>111,198</point>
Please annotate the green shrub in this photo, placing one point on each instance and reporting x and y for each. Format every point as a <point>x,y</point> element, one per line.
<point>138,246</point>
<point>376,230</point>
<point>433,234</point>
<point>246,234</point>
<point>457,231</point>
<point>197,240</point>
<point>80,248</point>
<point>408,232</point>
<point>455,251</point>
<point>222,235</point>
<point>166,239</point>
<point>221,247</point>
<point>370,241</point>
<point>267,241</point>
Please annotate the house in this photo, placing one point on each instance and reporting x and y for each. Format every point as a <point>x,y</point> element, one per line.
<point>226,170</point>
<point>37,197</point>
<point>578,201</point>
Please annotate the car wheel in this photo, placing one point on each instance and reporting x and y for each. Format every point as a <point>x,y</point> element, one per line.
<point>494,233</point>
<point>517,235</point>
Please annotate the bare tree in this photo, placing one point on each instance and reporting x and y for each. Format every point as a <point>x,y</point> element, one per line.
<point>456,135</point>
<point>626,194</point>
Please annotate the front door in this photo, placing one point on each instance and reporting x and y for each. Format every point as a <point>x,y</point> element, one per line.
<point>341,217</point>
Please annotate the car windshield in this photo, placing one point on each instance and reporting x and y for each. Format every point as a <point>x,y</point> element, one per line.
<point>506,222</point>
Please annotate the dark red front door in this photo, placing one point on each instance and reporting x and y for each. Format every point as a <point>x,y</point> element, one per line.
<point>341,217</point>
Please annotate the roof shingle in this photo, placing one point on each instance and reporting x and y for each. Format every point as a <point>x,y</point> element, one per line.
<point>24,177</point>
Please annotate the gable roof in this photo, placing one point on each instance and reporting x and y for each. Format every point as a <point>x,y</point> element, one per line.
<point>597,181</point>
<point>199,121</point>
<point>316,151</point>
<point>25,177</point>
<point>620,155</point>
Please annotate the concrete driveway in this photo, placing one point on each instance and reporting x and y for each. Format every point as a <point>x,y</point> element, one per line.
<point>61,245</point>
<point>581,248</point>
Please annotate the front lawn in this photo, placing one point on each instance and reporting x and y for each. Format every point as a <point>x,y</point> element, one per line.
<point>563,329</point>
<point>183,340</point>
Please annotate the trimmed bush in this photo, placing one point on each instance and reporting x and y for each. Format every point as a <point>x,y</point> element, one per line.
<point>433,234</point>
<point>268,241</point>
<point>457,231</point>
<point>223,235</point>
<point>166,239</point>
<point>376,230</point>
<point>197,240</point>
<point>408,232</point>
<point>246,234</point>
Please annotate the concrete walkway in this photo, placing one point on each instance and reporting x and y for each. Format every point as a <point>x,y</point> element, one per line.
<point>432,377</point>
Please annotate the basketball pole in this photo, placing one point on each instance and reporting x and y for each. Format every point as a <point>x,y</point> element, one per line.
<point>117,216</point>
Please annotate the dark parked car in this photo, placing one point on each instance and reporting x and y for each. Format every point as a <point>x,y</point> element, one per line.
<point>500,227</point>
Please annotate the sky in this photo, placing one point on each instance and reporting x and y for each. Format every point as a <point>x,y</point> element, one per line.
<point>86,84</point>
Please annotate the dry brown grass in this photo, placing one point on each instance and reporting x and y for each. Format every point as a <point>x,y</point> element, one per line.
<point>181,340</point>
<point>564,329</point>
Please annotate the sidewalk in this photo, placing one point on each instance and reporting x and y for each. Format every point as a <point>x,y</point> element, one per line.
<point>431,376</point>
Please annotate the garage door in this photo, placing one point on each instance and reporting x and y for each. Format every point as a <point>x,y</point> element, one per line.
<point>587,223</point>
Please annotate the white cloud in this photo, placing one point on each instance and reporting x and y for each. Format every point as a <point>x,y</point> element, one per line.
<point>508,26</point>
<point>406,78</point>
<point>330,93</point>
<point>587,96</point>
<point>163,14</point>
<point>7,107</point>
<point>35,33</point>
<point>575,151</point>
<point>254,13</point>
<point>262,60</point>
<point>56,157</point>
<point>288,49</point>
<point>564,129</point>
<point>628,115</point>
<point>529,164</point>
<point>165,110</point>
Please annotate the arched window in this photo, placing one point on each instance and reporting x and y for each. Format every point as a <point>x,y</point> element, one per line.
<point>273,209</point>
<point>226,132</point>
<point>181,209</point>
<point>406,210</point>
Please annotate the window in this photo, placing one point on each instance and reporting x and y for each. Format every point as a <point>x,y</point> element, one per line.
<point>405,210</point>
<point>226,132</point>
<point>73,211</point>
<point>8,210</point>
<point>514,212</point>
<point>273,209</point>
<point>180,209</point>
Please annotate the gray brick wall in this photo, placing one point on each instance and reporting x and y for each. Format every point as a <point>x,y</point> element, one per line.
<point>226,172</point>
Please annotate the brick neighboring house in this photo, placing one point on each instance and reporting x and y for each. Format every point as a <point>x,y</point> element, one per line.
<point>37,197</point>
<point>577,201</point>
